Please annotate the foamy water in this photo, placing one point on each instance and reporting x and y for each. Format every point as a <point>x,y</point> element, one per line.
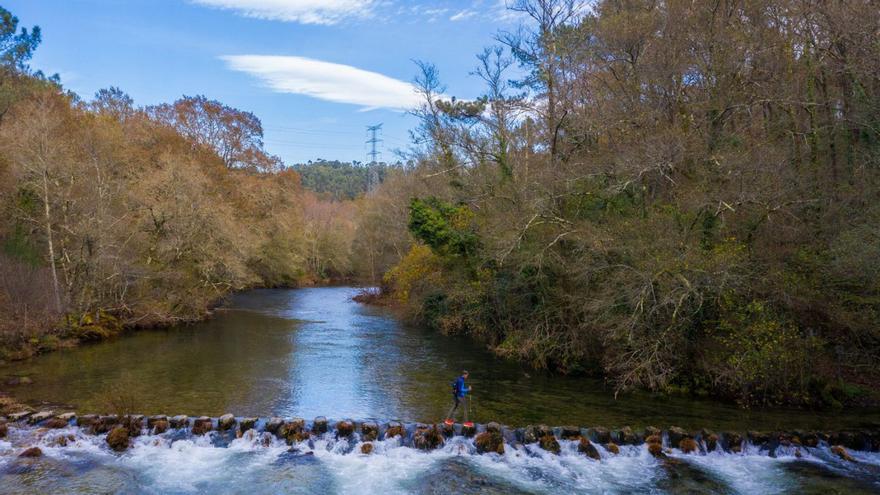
<point>259,463</point>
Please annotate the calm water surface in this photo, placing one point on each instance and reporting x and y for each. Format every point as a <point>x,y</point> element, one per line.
<point>310,352</point>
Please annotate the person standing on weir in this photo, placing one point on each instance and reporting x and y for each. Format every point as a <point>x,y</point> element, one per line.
<point>459,398</point>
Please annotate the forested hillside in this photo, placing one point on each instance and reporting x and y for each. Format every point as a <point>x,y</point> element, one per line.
<point>679,196</point>
<point>341,180</point>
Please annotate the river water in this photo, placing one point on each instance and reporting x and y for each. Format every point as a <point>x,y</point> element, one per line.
<point>311,352</point>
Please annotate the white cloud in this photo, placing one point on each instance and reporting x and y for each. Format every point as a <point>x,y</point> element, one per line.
<point>464,14</point>
<point>302,11</point>
<point>327,81</point>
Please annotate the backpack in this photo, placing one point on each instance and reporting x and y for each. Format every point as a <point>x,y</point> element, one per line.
<point>455,387</point>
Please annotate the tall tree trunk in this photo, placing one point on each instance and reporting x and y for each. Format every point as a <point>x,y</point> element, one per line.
<point>48,213</point>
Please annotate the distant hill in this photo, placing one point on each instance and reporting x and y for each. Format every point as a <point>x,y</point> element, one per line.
<point>341,180</point>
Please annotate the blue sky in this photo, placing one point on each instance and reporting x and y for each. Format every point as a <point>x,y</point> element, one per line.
<point>316,72</point>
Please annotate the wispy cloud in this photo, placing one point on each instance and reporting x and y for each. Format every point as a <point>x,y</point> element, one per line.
<point>327,81</point>
<point>464,14</point>
<point>302,11</point>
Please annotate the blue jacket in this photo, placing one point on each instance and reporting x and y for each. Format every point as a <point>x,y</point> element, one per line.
<point>459,388</point>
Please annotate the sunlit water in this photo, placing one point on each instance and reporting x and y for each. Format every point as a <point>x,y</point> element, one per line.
<point>311,352</point>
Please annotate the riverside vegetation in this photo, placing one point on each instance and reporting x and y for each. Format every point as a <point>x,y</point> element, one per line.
<point>679,196</point>
<point>676,196</point>
<point>116,216</point>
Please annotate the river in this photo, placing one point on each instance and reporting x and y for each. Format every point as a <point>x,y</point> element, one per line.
<point>310,352</point>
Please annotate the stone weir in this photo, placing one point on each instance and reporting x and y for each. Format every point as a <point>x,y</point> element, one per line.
<point>486,438</point>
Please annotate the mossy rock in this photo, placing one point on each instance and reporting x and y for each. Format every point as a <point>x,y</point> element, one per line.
<point>245,424</point>
<point>656,450</point>
<point>320,426</point>
<point>104,424</point>
<point>134,423</point>
<point>160,426</point>
<point>489,441</point>
<point>344,429</point>
<point>588,449</point>
<point>688,445</point>
<point>367,448</point>
<point>841,452</point>
<point>225,422</point>
<point>427,438</point>
<point>291,430</point>
<point>56,423</point>
<point>613,448</point>
<point>599,435</point>
<point>395,429</point>
<point>202,425</point>
<point>651,431</point>
<point>550,444</point>
<point>369,431</point>
<point>94,326</point>
<point>626,436</point>
<point>62,441</point>
<point>31,452</point>
<point>118,439</point>
<point>676,435</point>
<point>711,441</point>
<point>569,432</point>
<point>733,442</point>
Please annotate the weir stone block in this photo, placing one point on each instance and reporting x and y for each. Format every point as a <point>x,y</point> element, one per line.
<point>160,426</point>
<point>152,420</point>
<point>489,441</point>
<point>651,431</point>
<point>625,436</point>
<point>104,424</point>
<point>447,430</point>
<point>202,425</point>
<point>588,449</point>
<point>427,437</point>
<point>468,431</point>
<point>599,434</point>
<point>225,422</point>
<point>675,435</point>
<point>40,416</point>
<point>134,423</point>
<point>245,424</point>
<point>759,438</point>
<point>320,425</point>
<point>19,415</point>
<point>569,432</point>
<point>179,421</point>
<point>732,442</point>
<point>395,429</point>
<point>369,431</point>
<point>344,429</point>
<point>274,424</point>
<point>86,420</point>
<point>509,435</point>
<point>68,416</point>
<point>710,439</point>
<point>549,443</point>
<point>56,423</point>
